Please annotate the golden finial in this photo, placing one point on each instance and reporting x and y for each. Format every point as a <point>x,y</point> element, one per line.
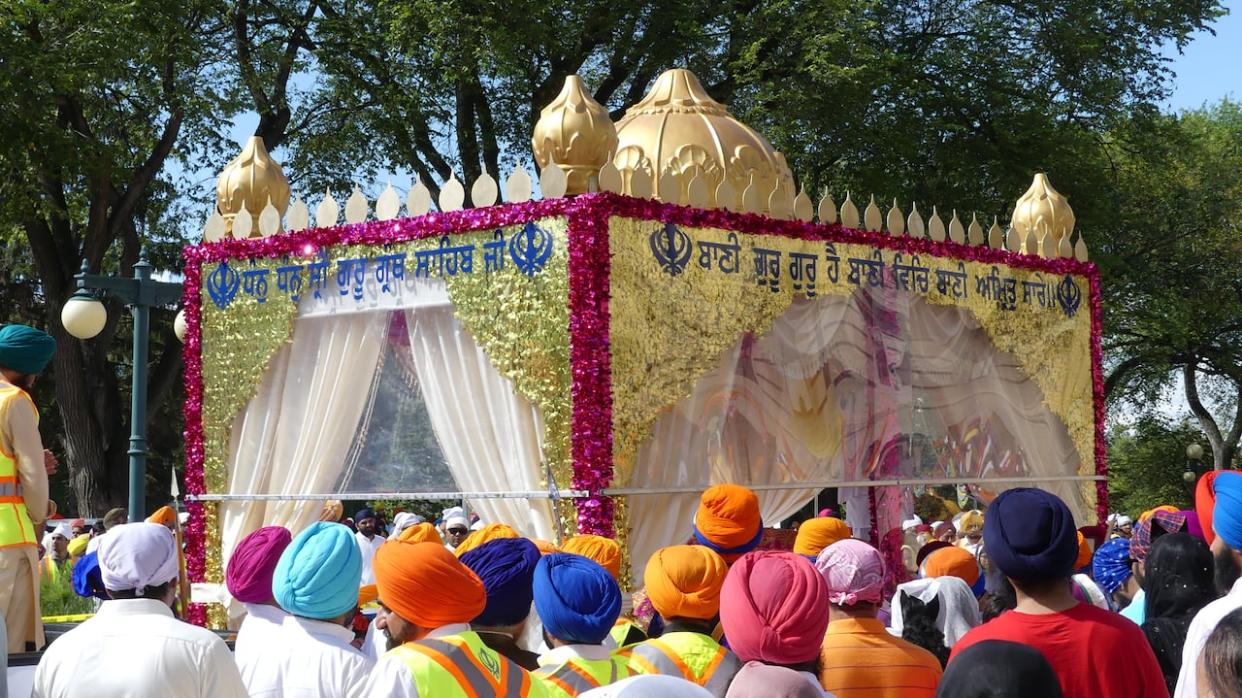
<point>1043,210</point>
<point>251,179</point>
<point>574,132</point>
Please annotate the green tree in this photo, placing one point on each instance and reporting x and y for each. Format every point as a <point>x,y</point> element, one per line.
<point>1146,463</point>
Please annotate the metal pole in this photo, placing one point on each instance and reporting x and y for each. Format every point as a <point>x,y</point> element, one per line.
<point>138,398</point>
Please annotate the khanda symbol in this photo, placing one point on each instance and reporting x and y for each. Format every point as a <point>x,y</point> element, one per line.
<point>530,249</point>
<point>1069,296</point>
<point>671,248</point>
<point>223,284</point>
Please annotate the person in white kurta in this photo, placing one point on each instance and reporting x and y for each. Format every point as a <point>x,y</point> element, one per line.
<point>248,577</point>
<point>134,646</point>
<point>314,659</point>
<point>369,540</point>
<point>262,627</point>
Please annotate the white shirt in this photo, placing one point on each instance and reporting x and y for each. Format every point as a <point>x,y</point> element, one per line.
<point>392,677</point>
<point>313,659</point>
<point>1201,627</point>
<point>260,628</point>
<point>136,647</point>
<point>368,546</point>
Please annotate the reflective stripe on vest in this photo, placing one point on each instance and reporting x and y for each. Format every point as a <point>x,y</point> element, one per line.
<point>659,657</point>
<point>15,526</point>
<point>462,665</point>
<point>578,676</point>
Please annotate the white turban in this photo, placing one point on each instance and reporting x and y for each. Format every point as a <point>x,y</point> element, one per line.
<point>911,523</point>
<point>136,556</point>
<point>455,515</point>
<point>404,520</point>
<point>1124,521</point>
<point>959,610</point>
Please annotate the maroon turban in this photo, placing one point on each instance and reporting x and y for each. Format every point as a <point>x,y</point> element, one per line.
<point>249,575</point>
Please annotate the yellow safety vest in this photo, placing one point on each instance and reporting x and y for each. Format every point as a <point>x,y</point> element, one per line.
<point>51,569</point>
<point>621,630</point>
<point>580,675</point>
<point>691,656</point>
<point>15,526</point>
<point>461,666</point>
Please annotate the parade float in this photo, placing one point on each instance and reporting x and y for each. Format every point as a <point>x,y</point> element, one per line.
<point>667,315</point>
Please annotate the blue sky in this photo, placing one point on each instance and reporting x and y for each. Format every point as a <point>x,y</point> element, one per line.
<point>1211,67</point>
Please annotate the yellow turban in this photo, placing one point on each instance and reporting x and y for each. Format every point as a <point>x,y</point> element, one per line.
<point>1152,512</point>
<point>487,533</point>
<point>421,533</point>
<point>684,581</point>
<point>605,551</point>
<point>816,534</point>
<point>971,520</point>
<point>77,546</point>
<point>368,594</point>
<point>728,521</point>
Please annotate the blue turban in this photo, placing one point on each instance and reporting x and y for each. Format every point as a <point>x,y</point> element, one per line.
<point>87,579</point>
<point>364,513</point>
<point>1030,535</point>
<point>1227,512</point>
<point>577,599</point>
<point>1111,565</point>
<point>507,568</point>
<point>319,573</point>
<point>25,349</point>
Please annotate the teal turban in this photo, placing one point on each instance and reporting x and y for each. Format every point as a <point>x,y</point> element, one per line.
<point>25,349</point>
<point>319,573</point>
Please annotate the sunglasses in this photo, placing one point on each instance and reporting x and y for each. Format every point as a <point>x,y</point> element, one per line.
<point>457,531</point>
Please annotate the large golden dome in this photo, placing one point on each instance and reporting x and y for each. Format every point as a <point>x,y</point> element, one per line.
<point>574,132</point>
<point>679,128</point>
<point>253,178</point>
<point>1042,210</point>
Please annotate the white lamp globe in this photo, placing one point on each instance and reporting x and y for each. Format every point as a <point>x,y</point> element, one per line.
<point>1194,451</point>
<point>179,326</point>
<point>83,317</point>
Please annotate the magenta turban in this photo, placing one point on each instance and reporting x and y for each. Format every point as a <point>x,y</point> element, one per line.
<point>774,608</point>
<point>249,574</point>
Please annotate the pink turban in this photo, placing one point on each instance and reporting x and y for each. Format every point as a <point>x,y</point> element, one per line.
<point>250,570</point>
<point>853,572</point>
<point>774,608</point>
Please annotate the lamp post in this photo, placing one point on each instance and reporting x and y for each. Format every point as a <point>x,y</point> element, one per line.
<point>1194,464</point>
<point>84,317</point>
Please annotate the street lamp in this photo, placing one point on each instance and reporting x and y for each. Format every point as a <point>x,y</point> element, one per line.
<point>1194,456</point>
<point>84,316</point>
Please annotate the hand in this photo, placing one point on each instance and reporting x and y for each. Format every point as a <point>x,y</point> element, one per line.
<point>50,462</point>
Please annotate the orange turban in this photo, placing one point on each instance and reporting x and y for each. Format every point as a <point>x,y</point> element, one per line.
<point>605,551</point>
<point>1084,552</point>
<point>1152,512</point>
<point>728,521</point>
<point>332,511</point>
<point>684,581</point>
<point>1205,502</point>
<point>421,533</point>
<point>367,594</point>
<point>164,516</point>
<point>489,532</point>
<point>425,585</point>
<point>952,562</point>
<point>816,534</point>
<point>546,547</point>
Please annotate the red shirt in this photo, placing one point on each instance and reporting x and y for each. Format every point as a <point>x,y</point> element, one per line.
<point>1095,653</point>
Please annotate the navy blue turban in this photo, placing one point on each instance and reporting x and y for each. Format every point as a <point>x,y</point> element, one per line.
<point>1030,535</point>
<point>364,513</point>
<point>25,349</point>
<point>576,598</point>
<point>507,568</point>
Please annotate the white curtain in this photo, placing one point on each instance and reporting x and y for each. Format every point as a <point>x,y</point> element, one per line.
<point>491,436</point>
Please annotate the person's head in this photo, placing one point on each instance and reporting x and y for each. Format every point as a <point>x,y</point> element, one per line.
<point>1227,523</point>
<point>420,533</point>
<point>999,669</point>
<point>1112,569</point>
<point>77,546</point>
<point>1030,536</point>
<point>366,522</point>
<point>139,561</point>
<point>684,582</point>
<point>248,575</point>
<point>456,528</point>
<point>78,527</point>
<point>97,529</point>
<point>759,680</point>
<point>24,353</point>
<point>728,521</point>
<point>819,533</point>
<point>403,520</point>
<point>577,599</point>
<point>485,534</point>
<point>114,517</point>
<point>951,561</point>
<point>507,568</point>
<point>60,542</point>
<point>853,574</point>
<point>1152,526</point>
<point>773,608</point>
<point>422,587</point>
<point>970,526</point>
<point>605,551</point>
<point>1180,574</point>
<point>956,608</point>
<point>318,574</point>
<point>1220,664</point>
<point>944,532</point>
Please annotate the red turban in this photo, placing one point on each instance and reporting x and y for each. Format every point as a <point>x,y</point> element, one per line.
<point>774,608</point>
<point>250,569</point>
<point>605,551</point>
<point>426,585</point>
<point>1205,501</point>
<point>728,521</point>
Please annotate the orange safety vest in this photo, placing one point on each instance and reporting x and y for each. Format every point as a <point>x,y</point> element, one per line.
<point>15,526</point>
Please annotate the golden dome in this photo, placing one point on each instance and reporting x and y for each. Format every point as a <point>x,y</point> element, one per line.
<point>252,177</point>
<point>574,132</point>
<point>679,128</point>
<point>1041,210</point>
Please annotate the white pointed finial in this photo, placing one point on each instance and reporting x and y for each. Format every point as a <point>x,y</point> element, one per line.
<point>298,217</point>
<point>802,208</point>
<point>388,205</point>
<point>552,181</point>
<point>243,223</point>
<point>610,178</point>
<point>213,230</point>
<point>896,226</point>
<point>484,191</point>
<point>1065,249</point>
<point>914,222</point>
<point>935,226</point>
<point>640,184</point>
<point>827,209</point>
<point>996,236</point>
<point>1080,248</point>
<point>849,212</point>
<point>1031,247</point>
<point>269,220</point>
<point>780,204</point>
<point>1013,240</point>
<point>871,216</point>
<point>518,186</point>
<point>356,206</point>
<point>327,211</point>
<point>418,201</point>
<point>452,194</point>
<point>974,232</point>
<point>956,232</point>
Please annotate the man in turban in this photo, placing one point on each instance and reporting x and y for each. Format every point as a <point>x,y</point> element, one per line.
<point>858,656</point>
<point>607,552</point>
<point>1226,521</point>
<point>403,520</point>
<point>1031,538</point>
<point>728,521</point>
<point>427,600</point>
<point>952,561</point>
<point>486,534</point>
<point>248,578</point>
<point>683,583</point>
<point>456,527</point>
<point>578,601</point>
<point>1159,522</point>
<point>420,533</point>
<point>817,534</point>
<point>316,582</point>
<point>134,646</point>
<point>970,531</point>
<point>24,504</point>
<point>369,540</point>
<point>1112,569</point>
<point>507,568</point>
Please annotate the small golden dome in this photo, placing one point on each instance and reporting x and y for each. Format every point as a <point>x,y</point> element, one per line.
<point>574,132</point>
<point>678,128</point>
<point>1041,210</point>
<point>252,177</point>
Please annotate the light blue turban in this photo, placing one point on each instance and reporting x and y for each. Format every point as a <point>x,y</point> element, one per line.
<point>319,573</point>
<point>577,599</point>
<point>1227,512</point>
<point>25,349</point>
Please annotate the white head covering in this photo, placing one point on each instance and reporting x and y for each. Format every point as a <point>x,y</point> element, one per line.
<point>1092,591</point>
<point>136,556</point>
<point>1124,520</point>
<point>911,523</point>
<point>455,515</point>
<point>477,525</point>
<point>404,520</point>
<point>649,686</point>
<point>64,531</point>
<point>959,609</point>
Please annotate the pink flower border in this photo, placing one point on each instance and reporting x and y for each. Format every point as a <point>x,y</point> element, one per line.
<point>590,354</point>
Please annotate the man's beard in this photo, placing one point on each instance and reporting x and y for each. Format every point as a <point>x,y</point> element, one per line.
<point>1227,571</point>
